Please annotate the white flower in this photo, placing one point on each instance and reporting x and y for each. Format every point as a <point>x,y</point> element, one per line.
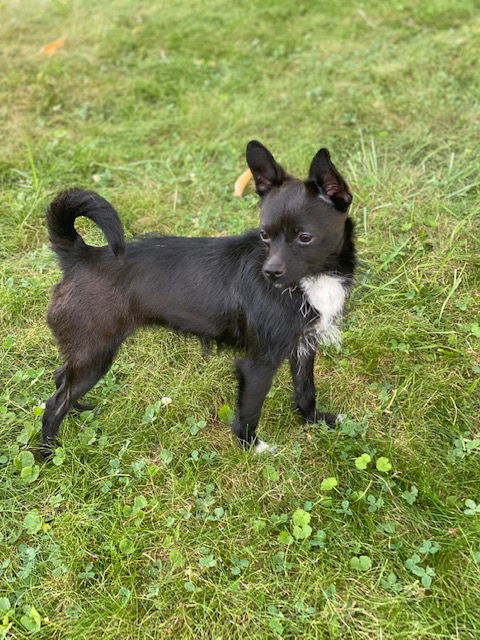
<point>166,401</point>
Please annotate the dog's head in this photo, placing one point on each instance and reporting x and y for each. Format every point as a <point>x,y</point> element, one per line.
<point>302,222</point>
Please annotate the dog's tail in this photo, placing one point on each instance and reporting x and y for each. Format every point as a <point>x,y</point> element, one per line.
<point>61,214</point>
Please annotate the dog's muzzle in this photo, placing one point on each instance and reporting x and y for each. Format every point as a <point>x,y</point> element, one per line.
<point>273,274</point>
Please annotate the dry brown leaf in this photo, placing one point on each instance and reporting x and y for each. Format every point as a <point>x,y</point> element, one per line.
<point>242,182</point>
<point>50,48</point>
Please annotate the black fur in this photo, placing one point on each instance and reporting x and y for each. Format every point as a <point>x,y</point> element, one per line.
<point>239,290</point>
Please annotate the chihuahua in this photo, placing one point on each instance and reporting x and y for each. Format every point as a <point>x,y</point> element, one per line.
<point>273,292</point>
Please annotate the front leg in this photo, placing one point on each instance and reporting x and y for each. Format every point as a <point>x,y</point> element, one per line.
<point>301,368</point>
<point>254,380</point>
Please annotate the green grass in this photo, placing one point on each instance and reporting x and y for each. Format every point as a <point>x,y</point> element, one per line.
<point>152,104</point>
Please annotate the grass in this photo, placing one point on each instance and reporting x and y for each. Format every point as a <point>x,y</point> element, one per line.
<point>153,523</point>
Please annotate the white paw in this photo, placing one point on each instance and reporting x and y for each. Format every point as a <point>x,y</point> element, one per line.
<point>340,418</point>
<point>264,447</point>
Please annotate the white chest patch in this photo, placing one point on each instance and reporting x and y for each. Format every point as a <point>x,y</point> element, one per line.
<point>326,295</point>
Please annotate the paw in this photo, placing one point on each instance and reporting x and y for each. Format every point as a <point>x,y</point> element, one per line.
<point>264,447</point>
<point>77,407</point>
<point>330,419</point>
<point>46,451</point>
<point>314,417</point>
<point>307,411</point>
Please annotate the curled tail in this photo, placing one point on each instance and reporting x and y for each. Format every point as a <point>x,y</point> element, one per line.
<point>61,214</point>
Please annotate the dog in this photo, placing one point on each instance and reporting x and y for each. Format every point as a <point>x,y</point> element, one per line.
<point>274,292</point>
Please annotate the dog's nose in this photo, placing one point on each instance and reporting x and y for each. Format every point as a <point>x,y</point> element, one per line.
<point>274,273</point>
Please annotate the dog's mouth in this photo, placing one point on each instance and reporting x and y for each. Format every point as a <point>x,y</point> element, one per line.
<point>277,283</point>
<point>282,285</point>
<point>281,281</point>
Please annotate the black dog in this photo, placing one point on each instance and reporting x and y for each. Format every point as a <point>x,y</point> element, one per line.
<point>275,292</point>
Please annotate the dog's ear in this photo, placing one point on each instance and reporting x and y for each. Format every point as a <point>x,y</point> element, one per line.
<point>329,182</point>
<point>266,172</point>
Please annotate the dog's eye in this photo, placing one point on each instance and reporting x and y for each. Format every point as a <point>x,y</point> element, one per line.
<point>264,236</point>
<point>305,238</point>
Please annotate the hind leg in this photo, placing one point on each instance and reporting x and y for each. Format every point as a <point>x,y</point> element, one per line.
<point>76,379</point>
<point>59,376</point>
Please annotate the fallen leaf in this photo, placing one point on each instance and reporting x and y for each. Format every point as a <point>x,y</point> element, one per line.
<point>50,48</point>
<point>242,182</point>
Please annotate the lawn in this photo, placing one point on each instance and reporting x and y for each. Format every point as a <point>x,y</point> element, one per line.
<point>151,522</point>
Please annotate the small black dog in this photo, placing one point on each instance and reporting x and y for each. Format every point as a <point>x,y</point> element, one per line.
<point>275,292</point>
